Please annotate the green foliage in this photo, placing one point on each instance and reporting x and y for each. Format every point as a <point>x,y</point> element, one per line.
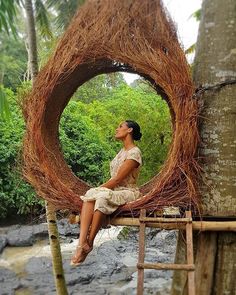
<point>65,10</point>
<point>42,19</point>
<point>13,61</point>
<point>99,88</point>
<point>124,233</point>
<point>197,14</point>
<point>16,195</point>
<point>8,16</point>
<point>4,105</point>
<point>84,151</point>
<point>190,49</point>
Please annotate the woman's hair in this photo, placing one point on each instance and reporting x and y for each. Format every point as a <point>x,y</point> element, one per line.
<point>136,134</point>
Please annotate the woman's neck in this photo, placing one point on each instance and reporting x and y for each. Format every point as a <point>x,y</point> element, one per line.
<point>128,143</point>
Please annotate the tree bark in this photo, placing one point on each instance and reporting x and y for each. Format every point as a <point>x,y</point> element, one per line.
<point>215,63</point>
<point>58,271</point>
<point>31,38</point>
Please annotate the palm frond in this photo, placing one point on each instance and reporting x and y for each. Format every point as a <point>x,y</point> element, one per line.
<point>65,10</point>
<point>196,14</point>
<point>42,19</point>
<point>191,49</point>
<point>8,16</point>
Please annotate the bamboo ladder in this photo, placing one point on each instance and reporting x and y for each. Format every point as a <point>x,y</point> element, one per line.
<point>189,267</point>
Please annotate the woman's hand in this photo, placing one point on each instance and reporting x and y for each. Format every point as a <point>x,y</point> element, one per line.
<point>125,169</point>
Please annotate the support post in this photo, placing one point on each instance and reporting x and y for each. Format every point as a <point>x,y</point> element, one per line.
<point>189,240</point>
<point>57,264</point>
<point>141,254</point>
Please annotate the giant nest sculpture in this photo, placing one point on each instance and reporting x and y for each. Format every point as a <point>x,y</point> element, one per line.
<point>136,36</point>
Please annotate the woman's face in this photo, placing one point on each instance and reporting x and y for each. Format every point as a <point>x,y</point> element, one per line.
<point>122,131</point>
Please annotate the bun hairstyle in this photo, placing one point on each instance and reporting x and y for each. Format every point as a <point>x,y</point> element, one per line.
<point>136,134</point>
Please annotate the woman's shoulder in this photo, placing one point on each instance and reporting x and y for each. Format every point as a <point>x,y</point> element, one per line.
<point>135,154</point>
<point>135,149</point>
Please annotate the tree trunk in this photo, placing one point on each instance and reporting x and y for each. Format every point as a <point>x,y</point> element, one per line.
<point>215,63</point>
<point>31,38</point>
<point>56,251</point>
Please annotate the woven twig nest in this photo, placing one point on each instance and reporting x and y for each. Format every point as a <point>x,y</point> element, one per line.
<point>105,36</point>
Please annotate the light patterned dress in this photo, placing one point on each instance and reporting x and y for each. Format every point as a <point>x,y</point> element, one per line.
<point>108,200</point>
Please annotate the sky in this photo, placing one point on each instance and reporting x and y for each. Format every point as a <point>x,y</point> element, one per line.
<point>187,26</point>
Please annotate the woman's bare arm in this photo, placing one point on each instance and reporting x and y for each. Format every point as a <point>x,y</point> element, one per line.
<point>123,171</point>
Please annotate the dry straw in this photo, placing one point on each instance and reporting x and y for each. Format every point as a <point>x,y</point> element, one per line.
<point>106,36</point>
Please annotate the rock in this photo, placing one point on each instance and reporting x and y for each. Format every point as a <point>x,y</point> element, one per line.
<point>22,236</point>
<point>3,242</point>
<point>109,269</point>
<point>27,235</point>
<point>158,286</point>
<point>88,289</point>
<point>102,269</point>
<point>37,265</point>
<point>155,286</point>
<point>128,232</point>
<point>67,229</point>
<point>39,277</point>
<point>8,282</point>
<point>74,278</point>
<point>151,233</point>
<point>165,240</point>
<point>40,231</point>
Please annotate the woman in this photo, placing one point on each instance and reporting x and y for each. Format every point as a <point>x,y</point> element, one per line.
<point>118,190</point>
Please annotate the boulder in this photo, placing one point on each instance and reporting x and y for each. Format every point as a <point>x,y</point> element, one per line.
<point>40,231</point>
<point>67,229</point>
<point>23,236</point>
<point>8,282</point>
<point>27,235</point>
<point>3,242</point>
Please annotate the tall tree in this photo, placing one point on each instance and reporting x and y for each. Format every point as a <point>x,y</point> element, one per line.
<point>215,71</point>
<point>32,39</point>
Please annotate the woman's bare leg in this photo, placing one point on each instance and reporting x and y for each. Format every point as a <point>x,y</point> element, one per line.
<point>85,221</point>
<point>86,217</point>
<point>97,222</point>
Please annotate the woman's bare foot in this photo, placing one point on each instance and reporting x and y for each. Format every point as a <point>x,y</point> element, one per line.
<point>81,254</point>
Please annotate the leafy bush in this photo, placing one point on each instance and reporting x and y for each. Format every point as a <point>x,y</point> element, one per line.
<point>17,197</point>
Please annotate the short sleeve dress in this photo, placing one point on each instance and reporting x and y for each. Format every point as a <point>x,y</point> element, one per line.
<point>108,200</point>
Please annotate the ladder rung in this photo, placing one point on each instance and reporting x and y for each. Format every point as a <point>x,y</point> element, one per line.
<point>165,220</point>
<point>166,266</point>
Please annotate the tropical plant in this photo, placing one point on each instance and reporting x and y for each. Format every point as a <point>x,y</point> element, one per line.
<point>8,16</point>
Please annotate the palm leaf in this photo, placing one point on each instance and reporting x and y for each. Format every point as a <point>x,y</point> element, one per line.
<point>65,10</point>
<point>42,19</point>
<point>197,14</point>
<point>191,49</point>
<point>5,113</point>
<point>8,16</point>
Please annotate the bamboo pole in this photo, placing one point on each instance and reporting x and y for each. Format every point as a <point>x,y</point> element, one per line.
<point>189,240</point>
<point>166,266</point>
<point>166,220</point>
<point>141,253</point>
<point>58,271</point>
<point>197,225</point>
